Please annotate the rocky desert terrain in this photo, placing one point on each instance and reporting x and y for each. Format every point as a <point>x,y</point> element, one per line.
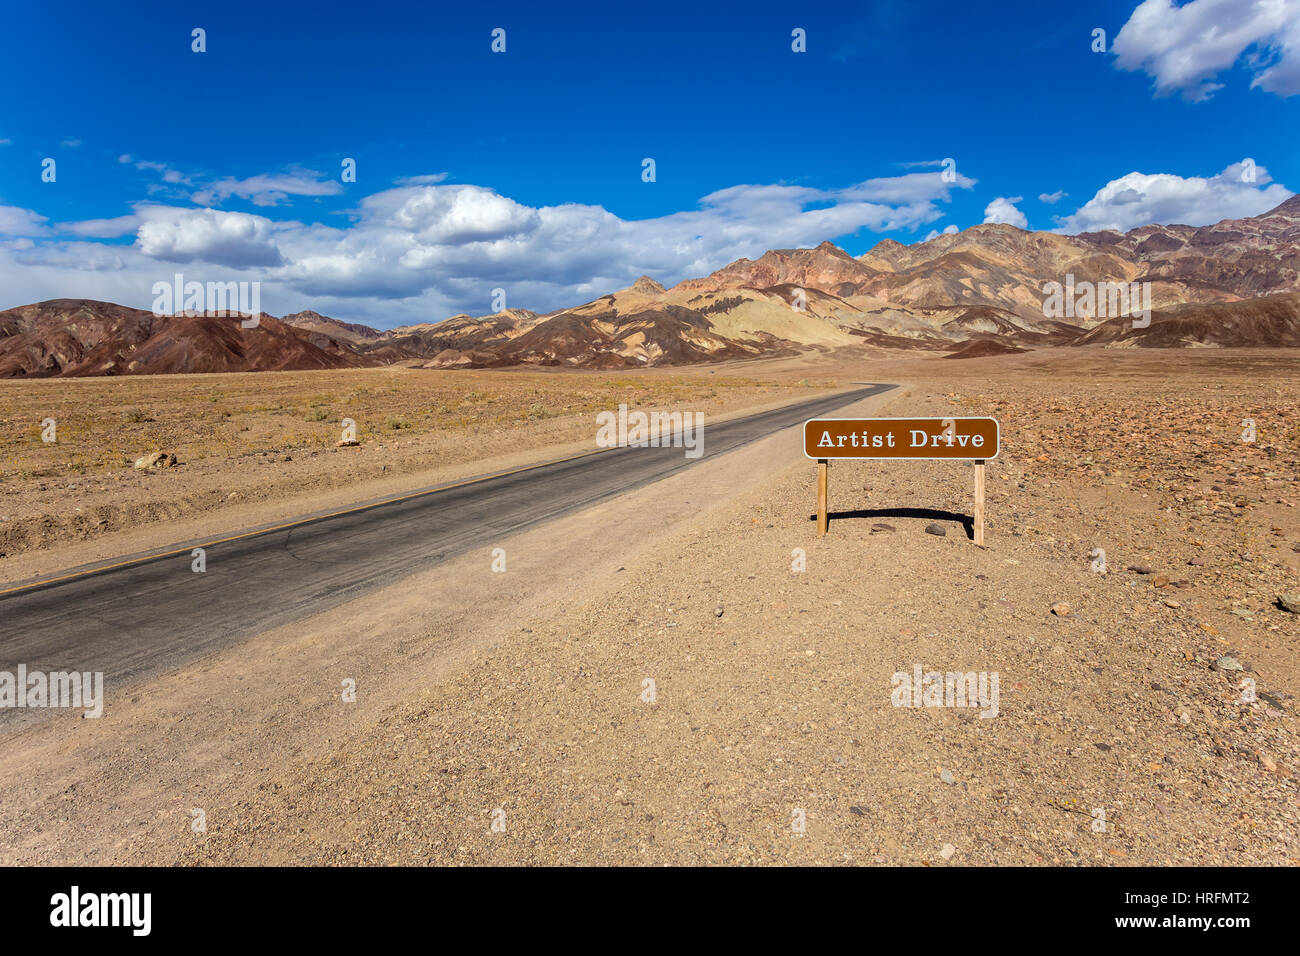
<point>687,674</point>
<point>267,445</point>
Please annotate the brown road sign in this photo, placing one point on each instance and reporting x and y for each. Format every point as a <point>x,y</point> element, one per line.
<point>950,439</point>
<point>962,439</point>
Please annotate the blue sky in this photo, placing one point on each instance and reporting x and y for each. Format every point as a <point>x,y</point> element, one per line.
<point>522,170</point>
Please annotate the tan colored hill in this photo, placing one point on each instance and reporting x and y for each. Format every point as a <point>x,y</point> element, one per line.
<point>990,265</point>
<point>319,324</point>
<point>640,326</point>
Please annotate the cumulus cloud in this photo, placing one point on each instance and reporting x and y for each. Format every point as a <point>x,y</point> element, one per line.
<point>1185,48</point>
<point>1003,210</point>
<point>235,239</point>
<point>1052,198</point>
<point>1137,199</point>
<point>450,215</point>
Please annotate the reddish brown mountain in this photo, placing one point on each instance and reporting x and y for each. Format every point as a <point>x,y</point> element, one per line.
<point>1269,320</point>
<point>827,268</point>
<point>982,348</point>
<point>72,337</point>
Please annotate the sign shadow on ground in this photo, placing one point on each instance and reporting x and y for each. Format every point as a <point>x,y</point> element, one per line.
<point>931,514</point>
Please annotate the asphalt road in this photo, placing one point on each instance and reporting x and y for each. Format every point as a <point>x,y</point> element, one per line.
<point>147,611</point>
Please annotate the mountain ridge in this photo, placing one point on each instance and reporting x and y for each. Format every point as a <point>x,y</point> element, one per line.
<point>975,292</point>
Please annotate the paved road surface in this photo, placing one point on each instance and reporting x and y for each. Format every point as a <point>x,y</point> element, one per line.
<point>148,611</point>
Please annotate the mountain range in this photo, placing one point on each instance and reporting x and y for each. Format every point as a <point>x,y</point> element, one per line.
<point>976,292</point>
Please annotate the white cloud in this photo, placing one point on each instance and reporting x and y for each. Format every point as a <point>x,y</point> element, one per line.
<point>1003,210</point>
<point>1052,198</point>
<point>102,228</point>
<point>426,180</point>
<point>169,175</point>
<point>449,215</point>
<point>909,188</point>
<point>16,221</point>
<point>948,230</point>
<point>1185,48</point>
<point>1137,199</point>
<point>235,239</point>
<point>6,142</point>
<point>70,143</point>
<point>268,189</point>
<point>264,189</point>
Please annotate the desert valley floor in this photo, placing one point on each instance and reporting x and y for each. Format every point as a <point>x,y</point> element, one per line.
<point>520,697</point>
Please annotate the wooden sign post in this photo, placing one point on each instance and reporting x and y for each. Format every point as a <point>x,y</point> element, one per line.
<point>917,439</point>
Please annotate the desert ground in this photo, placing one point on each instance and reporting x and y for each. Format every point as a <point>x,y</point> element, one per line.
<point>687,674</point>
<point>265,445</point>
